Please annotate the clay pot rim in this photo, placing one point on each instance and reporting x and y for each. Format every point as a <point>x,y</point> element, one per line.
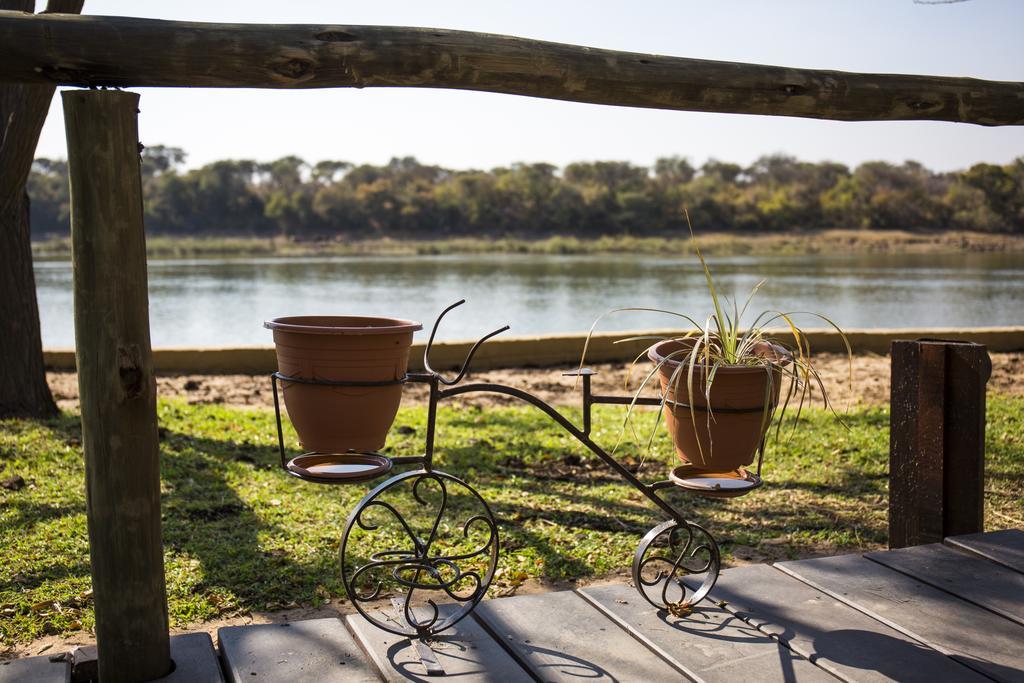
<point>342,324</point>
<point>655,356</point>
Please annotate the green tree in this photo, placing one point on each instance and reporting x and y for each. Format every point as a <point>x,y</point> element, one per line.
<point>406,199</point>
<point>51,204</point>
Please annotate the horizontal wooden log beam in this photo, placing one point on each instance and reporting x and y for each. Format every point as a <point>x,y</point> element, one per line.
<point>128,52</point>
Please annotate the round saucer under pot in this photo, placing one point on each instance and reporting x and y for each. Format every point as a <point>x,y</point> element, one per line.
<point>339,468</point>
<point>730,484</point>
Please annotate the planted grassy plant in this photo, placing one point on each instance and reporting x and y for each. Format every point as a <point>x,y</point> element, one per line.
<point>722,381</point>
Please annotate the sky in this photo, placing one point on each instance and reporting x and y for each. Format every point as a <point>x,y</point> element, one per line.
<point>462,130</point>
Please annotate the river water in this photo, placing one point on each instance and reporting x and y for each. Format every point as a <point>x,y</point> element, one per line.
<point>223,302</point>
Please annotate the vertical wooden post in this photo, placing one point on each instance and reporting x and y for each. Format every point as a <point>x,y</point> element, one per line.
<point>116,385</point>
<point>968,368</point>
<point>936,440</point>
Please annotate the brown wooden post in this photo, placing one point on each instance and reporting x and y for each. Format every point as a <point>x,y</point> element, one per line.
<point>968,368</point>
<point>116,385</point>
<point>936,440</point>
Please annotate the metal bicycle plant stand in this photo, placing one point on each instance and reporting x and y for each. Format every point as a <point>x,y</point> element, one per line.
<point>670,551</point>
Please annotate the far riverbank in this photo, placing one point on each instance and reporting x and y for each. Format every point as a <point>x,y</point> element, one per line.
<point>715,244</point>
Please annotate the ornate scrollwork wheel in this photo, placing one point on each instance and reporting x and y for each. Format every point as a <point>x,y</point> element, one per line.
<point>418,536</point>
<point>667,554</point>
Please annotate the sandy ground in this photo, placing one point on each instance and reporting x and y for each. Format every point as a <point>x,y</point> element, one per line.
<point>870,383</point>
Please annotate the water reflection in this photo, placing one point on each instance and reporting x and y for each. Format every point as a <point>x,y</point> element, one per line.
<point>223,302</point>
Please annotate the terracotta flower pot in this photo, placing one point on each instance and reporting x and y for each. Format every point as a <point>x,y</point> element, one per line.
<point>727,440</point>
<point>332,419</point>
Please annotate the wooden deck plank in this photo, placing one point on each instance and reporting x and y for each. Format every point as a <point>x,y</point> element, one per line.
<point>466,652</point>
<point>976,580</point>
<point>314,650</point>
<point>711,645</point>
<point>562,637</point>
<point>1004,547</point>
<point>974,636</point>
<point>195,660</point>
<point>836,637</point>
<point>34,669</point>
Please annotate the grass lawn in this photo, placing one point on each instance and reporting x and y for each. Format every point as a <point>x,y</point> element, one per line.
<point>241,535</point>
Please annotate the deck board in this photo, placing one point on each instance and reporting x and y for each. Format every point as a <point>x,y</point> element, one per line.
<point>1004,547</point>
<point>833,635</point>
<point>34,669</point>
<point>562,637</point>
<point>195,660</point>
<point>974,636</point>
<point>974,579</point>
<point>314,650</point>
<point>711,644</point>
<point>466,652</point>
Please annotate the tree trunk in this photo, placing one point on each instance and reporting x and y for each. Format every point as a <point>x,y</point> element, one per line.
<point>23,108</point>
<point>23,388</point>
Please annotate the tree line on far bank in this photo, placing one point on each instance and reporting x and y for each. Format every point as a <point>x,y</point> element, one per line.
<point>408,200</point>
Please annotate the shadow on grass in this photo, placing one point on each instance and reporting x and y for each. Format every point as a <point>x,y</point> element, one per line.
<point>206,520</point>
<point>221,542</point>
<point>52,493</point>
<point>27,515</point>
<point>58,569</point>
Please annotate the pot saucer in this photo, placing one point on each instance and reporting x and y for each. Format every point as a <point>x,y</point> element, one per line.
<point>339,468</point>
<point>715,484</point>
